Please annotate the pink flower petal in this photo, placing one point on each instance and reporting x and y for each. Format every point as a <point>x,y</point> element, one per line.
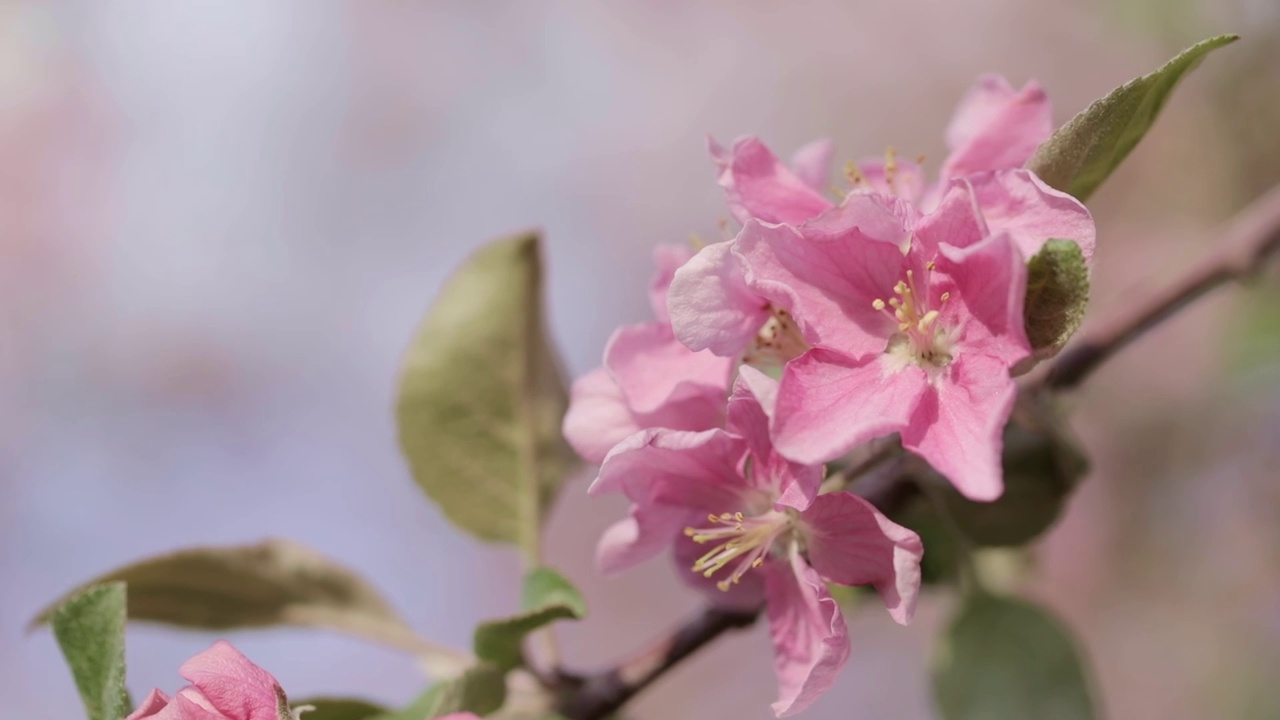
<point>1020,204</point>
<point>852,543</point>
<point>812,163</point>
<point>746,595</point>
<point>150,706</point>
<point>667,259</point>
<point>810,640</point>
<point>696,470</point>
<point>828,403</point>
<point>959,424</point>
<point>827,274</point>
<point>233,685</point>
<point>597,418</point>
<point>711,306</point>
<point>643,534</point>
<point>758,186</point>
<point>795,485</point>
<point>653,368</point>
<point>990,286</point>
<point>996,127</point>
<point>957,221</point>
<point>189,704</point>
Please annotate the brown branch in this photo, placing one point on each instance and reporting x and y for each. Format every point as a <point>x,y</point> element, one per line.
<point>1248,242</point>
<point>597,696</point>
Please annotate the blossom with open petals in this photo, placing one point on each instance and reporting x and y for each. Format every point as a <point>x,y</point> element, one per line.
<point>885,322</point>
<point>225,685</point>
<point>649,379</point>
<point>752,527</point>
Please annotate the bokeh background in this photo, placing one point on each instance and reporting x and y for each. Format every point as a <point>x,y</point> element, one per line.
<point>221,221</point>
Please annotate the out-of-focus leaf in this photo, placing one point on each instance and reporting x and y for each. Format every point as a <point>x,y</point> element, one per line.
<point>547,597</point>
<point>1042,466</point>
<point>274,582</point>
<point>482,398</point>
<point>481,690</point>
<point>89,627</point>
<point>940,564</point>
<point>1080,155</point>
<point>1005,659</point>
<point>1057,296</point>
<point>327,708</point>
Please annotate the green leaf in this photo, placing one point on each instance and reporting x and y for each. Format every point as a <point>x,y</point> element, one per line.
<point>1057,296</point>
<point>481,690</point>
<point>1005,659</point>
<point>1042,467</point>
<point>482,398</point>
<point>89,627</point>
<point>1082,153</point>
<point>547,597</point>
<point>274,582</point>
<point>328,708</point>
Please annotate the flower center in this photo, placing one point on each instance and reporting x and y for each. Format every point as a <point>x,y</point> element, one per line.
<point>921,340</point>
<point>746,542</point>
<point>778,341</point>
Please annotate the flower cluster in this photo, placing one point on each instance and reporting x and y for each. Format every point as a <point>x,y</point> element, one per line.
<point>819,327</point>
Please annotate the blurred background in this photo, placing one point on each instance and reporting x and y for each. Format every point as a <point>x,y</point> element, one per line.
<point>220,223</point>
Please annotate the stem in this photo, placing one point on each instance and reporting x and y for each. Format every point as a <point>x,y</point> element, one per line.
<point>1249,241</point>
<point>599,696</point>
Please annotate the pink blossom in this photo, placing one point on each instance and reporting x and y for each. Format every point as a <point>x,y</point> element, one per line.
<point>994,131</point>
<point>225,685</point>
<point>753,528</point>
<point>886,322</point>
<point>649,379</point>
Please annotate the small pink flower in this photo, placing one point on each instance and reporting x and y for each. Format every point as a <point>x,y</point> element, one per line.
<point>225,685</point>
<point>753,528</point>
<point>890,323</point>
<point>649,379</point>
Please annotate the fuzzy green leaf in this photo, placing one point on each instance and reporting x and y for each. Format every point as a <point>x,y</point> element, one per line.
<point>329,708</point>
<point>1006,659</point>
<point>481,398</point>
<point>1080,155</point>
<point>547,597</point>
<point>1057,296</point>
<point>274,582</point>
<point>89,627</point>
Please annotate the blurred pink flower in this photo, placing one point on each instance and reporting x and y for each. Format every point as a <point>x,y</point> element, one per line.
<point>225,685</point>
<point>759,510</point>
<point>648,379</point>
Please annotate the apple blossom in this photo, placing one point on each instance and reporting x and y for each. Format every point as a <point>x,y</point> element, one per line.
<point>753,527</point>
